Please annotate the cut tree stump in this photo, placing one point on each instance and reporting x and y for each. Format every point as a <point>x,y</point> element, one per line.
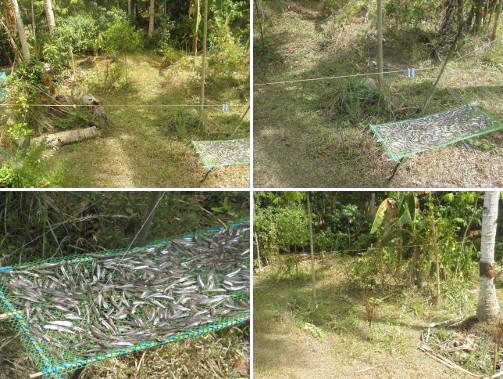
<point>70,136</point>
<point>99,116</point>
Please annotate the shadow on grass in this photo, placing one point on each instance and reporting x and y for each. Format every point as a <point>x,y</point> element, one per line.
<point>139,149</point>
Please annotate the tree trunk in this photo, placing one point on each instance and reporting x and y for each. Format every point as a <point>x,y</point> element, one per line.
<point>496,20</point>
<point>478,19</point>
<point>196,15</point>
<point>151,18</point>
<point>50,17</point>
<point>488,308</point>
<point>313,278</point>
<point>67,137</point>
<point>129,8</point>
<point>155,197</point>
<point>33,28</point>
<point>258,252</point>
<point>205,32</point>
<point>449,15</point>
<point>17,53</point>
<point>460,12</point>
<point>435,251</point>
<point>379,42</point>
<point>20,29</point>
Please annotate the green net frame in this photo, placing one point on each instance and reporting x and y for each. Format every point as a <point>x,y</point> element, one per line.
<point>223,152</point>
<point>408,137</point>
<point>55,360</point>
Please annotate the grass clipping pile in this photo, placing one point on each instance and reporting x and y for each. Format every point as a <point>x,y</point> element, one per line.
<point>466,345</point>
<point>84,309</point>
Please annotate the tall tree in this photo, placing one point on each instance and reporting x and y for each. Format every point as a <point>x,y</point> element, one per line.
<point>151,18</point>
<point>20,29</point>
<point>129,7</point>
<point>488,308</point>
<point>50,17</point>
<point>496,20</point>
<point>379,41</point>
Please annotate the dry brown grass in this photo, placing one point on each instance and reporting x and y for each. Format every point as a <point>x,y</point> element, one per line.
<point>291,129</point>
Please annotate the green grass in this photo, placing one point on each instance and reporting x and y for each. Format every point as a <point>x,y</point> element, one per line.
<point>294,122</point>
<point>150,146</point>
<point>333,337</point>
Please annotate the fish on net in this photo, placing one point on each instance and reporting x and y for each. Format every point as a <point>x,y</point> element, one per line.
<point>224,153</point>
<point>72,312</point>
<point>407,137</point>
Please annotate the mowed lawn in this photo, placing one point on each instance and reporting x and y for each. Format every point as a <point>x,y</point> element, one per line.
<point>149,146</point>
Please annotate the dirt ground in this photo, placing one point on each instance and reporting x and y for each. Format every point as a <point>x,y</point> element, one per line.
<point>296,144</point>
<point>285,347</point>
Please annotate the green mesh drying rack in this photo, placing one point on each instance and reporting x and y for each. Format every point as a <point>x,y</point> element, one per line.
<point>83,309</point>
<point>408,137</point>
<point>224,152</point>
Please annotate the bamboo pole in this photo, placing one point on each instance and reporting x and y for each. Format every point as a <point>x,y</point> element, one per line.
<point>313,277</point>
<point>203,75</point>
<point>379,43</point>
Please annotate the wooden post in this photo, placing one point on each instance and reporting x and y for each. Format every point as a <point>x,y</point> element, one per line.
<point>379,42</point>
<point>435,251</point>
<point>258,251</point>
<point>313,278</point>
<point>203,75</point>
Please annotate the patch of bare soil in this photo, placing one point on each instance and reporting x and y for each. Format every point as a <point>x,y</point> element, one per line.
<point>283,352</point>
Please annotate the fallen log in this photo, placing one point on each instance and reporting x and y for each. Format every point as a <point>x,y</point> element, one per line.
<point>70,136</point>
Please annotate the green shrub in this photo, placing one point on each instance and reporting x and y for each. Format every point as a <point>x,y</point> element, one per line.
<point>27,80</point>
<point>324,241</point>
<point>122,37</point>
<point>223,64</point>
<point>35,172</point>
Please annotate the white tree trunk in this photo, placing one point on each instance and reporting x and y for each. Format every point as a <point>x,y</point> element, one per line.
<point>488,308</point>
<point>50,17</point>
<point>20,29</point>
<point>151,21</point>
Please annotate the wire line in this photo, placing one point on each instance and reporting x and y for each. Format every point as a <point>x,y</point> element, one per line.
<point>339,77</point>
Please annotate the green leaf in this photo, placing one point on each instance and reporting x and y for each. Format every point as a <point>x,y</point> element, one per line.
<point>448,198</point>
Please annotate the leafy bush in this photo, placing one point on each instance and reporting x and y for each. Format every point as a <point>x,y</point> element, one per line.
<point>123,37</point>
<point>82,31</point>
<point>27,80</point>
<point>324,241</point>
<point>224,63</point>
<point>34,173</point>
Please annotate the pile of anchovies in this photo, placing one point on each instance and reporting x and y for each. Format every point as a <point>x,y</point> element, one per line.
<point>109,302</point>
<point>216,153</point>
<point>414,135</point>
